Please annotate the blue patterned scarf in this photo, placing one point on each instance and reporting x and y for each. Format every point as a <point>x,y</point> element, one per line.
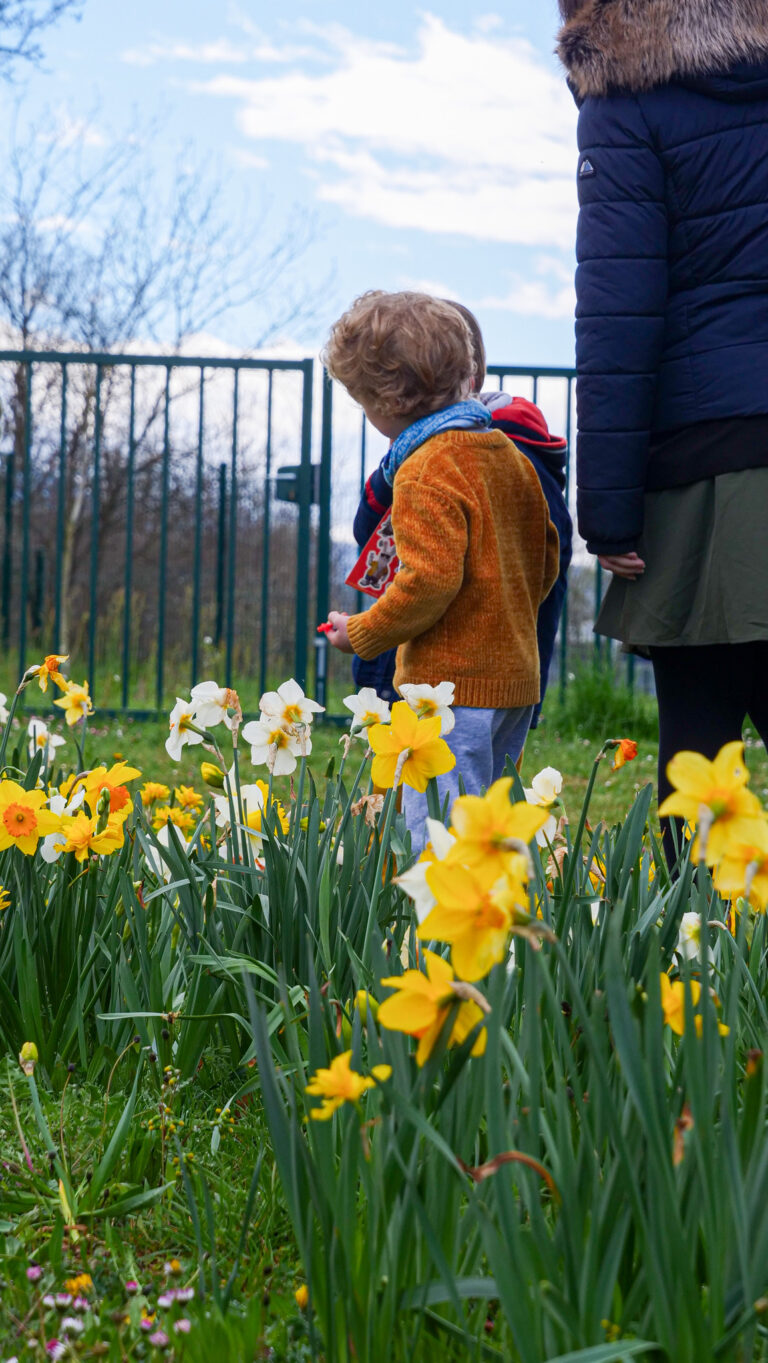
<point>470,415</point>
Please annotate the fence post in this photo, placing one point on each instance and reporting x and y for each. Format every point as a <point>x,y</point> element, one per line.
<point>232,536</point>
<point>38,590</point>
<point>196,564</point>
<point>163,564</point>
<point>265,532</point>
<point>598,604</point>
<point>324,536</point>
<point>221,536</point>
<point>7,548</point>
<point>564,614</point>
<point>304,527</point>
<point>95,497</point>
<point>129,500</point>
<point>60,511</point>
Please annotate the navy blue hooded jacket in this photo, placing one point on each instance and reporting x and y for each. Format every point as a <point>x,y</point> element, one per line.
<point>672,246</point>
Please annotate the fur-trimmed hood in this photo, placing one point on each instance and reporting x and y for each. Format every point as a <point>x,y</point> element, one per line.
<point>609,45</point>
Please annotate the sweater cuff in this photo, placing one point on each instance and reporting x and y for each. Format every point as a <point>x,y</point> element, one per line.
<point>362,636</point>
<point>612,547</point>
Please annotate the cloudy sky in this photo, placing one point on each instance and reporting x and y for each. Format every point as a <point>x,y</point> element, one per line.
<point>433,148</point>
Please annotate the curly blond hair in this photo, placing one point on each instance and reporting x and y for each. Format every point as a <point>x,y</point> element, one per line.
<point>408,354</point>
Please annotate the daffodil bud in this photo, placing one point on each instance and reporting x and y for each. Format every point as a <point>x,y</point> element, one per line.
<point>28,1057</point>
<point>212,775</point>
<point>102,809</point>
<point>365,1002</point>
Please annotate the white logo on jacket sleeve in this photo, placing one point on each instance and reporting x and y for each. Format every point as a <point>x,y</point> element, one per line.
<point>586,169</point>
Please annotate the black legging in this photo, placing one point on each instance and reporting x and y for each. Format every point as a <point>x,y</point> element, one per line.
<point>704,695</point>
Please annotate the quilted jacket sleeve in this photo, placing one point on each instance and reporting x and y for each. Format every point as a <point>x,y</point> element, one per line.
<point>621,292</point>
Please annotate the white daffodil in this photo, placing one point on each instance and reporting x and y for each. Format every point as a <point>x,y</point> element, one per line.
<point>414,881</point>
<point>429,701</point>
<point>4,712</point>
<point>212,702</point>
<point>52,846</point>
<point>367,709</point>
<point>689,936</point>
<point>545,787</point>
<point>40,737</point>
<point>251,801</point>
<point>595,906</point>
<point>544,790</point>
<point>183,714</point>
<point>288,705</point>
<point>275,746</point>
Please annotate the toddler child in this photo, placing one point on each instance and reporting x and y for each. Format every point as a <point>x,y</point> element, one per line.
<point>478,553</point>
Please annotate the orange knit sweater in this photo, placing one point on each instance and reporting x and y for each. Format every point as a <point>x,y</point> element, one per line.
<point>478,554</point>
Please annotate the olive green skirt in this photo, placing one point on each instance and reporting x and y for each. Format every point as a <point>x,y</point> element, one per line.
<point>705,548</point>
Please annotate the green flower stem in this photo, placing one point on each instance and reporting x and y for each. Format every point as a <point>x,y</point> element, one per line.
<point>576,844</point>
<point>7,730</point>
<point>381,862</point>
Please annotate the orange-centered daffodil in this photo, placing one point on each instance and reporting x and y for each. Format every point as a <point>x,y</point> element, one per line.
<point>489,828</point>
<point>476,918</point>
<point>24,818</point>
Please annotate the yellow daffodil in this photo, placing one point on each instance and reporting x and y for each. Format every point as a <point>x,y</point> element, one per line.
<point>24,818</point>
<point>474,917</point>
<point>152,791</point>
<point>79,1286</point>
<point>183,818</point>
<point>422,1002</point>
<point>714,796</point>
<point>340,1084</point>
<point>489,828</point>
<point>408,749</point>
<point>673,1005</point>
<point>5,899</point>
<point>743,869</point>
<point>78,835</point>
<point>76,702</point>
<point>49,669</point>
<point>187,798</point>
<point>114,781</point>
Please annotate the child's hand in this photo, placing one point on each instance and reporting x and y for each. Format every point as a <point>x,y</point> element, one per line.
<point>337,634</point>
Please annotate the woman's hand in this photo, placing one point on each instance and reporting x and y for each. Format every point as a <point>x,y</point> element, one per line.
<point>337,635</point>
<point>630,566</point>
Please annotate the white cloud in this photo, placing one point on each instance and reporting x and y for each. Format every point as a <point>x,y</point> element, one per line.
<point>462,133</point>
<point>548,292</point>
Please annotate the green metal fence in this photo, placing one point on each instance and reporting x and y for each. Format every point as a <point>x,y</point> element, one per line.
<point>164,519</point>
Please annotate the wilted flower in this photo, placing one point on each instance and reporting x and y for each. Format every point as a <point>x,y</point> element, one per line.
<point>76,702</point>
<point>422,1003</point>
<point>289,706</point>
<point>184,728</point>
<point>367,708</point>
<point>430,702</point>
<point>40,737</point>
<point>408,749</point>
<point>340,1084</point>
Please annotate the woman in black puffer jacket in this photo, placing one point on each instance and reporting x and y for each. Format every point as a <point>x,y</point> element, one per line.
<point>672,346</point>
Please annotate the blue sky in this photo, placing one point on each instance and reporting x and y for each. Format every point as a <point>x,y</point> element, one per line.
<point>434,148</point>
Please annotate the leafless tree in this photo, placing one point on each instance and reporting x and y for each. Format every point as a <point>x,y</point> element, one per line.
<point>97,253</point>
<point>21,24</point>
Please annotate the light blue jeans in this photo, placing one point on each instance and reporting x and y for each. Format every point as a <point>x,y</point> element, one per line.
<point>481,740</point>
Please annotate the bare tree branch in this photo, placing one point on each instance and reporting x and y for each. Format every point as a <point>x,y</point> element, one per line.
<point>21,23</point>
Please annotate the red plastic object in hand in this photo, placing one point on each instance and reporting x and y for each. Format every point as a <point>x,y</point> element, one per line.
<point>326,628</point>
